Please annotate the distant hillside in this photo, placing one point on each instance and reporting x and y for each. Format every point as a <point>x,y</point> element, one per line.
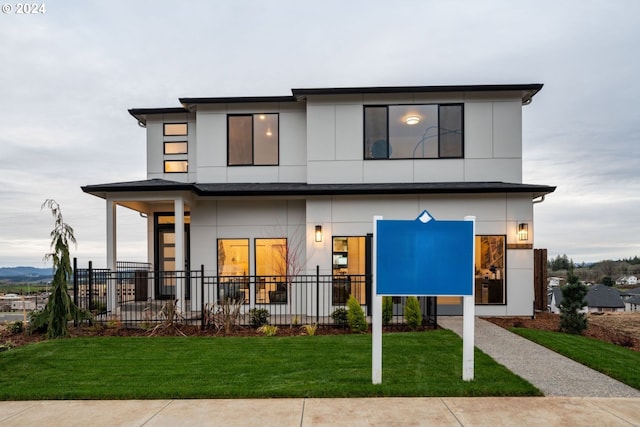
<point>25,274</point>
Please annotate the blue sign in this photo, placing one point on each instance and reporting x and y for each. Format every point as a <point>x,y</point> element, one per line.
<point>424,257</point>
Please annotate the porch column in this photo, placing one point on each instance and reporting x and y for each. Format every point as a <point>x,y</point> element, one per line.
<point>179,257</point>
<point>111,253</point>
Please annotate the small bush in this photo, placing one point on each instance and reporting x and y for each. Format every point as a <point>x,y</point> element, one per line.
<point>310,329</point>
<point>268,330</point>
<point>339,317</point>
<point>258,317</point>
<point>355,315</point>
<point>387,310</point>
<point>572,319</point>
<point>16,327</point>
<point>412,313</point>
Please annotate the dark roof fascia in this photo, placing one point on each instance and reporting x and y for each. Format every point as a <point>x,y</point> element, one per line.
<point>101,190</point>
<point>303,189</point>
<point>529,90</point>
<point>187,102</point>
<point>140,114</point>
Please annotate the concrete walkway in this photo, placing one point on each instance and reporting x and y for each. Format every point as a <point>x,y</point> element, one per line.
<point>552,373</point>
<point>440,412</point>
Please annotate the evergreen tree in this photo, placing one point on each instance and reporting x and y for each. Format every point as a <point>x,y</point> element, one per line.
<point>60,309</point>
<point>572,320</point>
<point>355,315</point>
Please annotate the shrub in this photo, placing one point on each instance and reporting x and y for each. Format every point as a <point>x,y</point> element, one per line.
<point>572,320</point>
<point>258,317</point>
<point>355,315</point>
<point>268,330</point>
<point>387,310</point>
<point>339,317</point>
<point>412,313</point>
<point>16,327</point>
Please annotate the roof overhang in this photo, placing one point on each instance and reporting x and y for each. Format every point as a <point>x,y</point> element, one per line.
<point>235,190</point>
<point>527,91</point>
<point>141,114</point>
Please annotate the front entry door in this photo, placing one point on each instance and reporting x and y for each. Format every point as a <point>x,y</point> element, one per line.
<point>168,268</point>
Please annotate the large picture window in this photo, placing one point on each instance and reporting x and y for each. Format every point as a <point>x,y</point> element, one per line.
<point>252,139</point>
<point>490,270</point>
<point>348,270</point>
<point>428,131</point>
<point>233,269</point>
<point>271,271</point>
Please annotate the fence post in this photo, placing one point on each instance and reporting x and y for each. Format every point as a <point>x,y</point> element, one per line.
<point>75,288</point>
<point>201,296</point>
<point>90,298</point>
<point>317,294</point>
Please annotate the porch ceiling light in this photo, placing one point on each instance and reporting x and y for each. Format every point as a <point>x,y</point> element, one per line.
<point>318,237</point>
<point>412,120</point>
<point>523,231</point>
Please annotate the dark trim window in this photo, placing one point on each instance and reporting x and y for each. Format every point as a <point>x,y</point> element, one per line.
<point>252,139</point>
<point>420,131</point>
<point>175,147</point>
<point>233,269</point>
<point>271,270</point>
<point>175,129</point>
<point>491,270</point>
<point>176,166</point>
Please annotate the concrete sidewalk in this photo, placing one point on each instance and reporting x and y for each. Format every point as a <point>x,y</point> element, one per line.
<point>440,412</point>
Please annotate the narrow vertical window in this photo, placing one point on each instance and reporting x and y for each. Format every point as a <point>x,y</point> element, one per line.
<point>271,271</point>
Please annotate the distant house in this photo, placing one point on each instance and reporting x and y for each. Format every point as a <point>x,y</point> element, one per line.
<point>554,282</point>
<point>631,299</point>
<point>627,280</point>
<point>604,298</point>
<point>600,298</point>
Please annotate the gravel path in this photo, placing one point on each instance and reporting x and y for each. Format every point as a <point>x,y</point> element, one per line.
<point>552,373</point>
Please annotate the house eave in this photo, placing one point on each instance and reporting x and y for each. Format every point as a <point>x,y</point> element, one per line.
<point>304,189</point>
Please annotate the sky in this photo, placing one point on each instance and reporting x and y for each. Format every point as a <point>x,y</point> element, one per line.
<point>69,74</point>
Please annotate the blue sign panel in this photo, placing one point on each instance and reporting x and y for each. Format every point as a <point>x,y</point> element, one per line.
<point>424,257</point>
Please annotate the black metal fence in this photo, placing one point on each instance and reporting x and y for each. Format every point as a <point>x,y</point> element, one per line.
<point>136,295</point>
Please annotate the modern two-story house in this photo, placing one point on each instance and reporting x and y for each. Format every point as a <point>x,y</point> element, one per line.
<point>262,187</point>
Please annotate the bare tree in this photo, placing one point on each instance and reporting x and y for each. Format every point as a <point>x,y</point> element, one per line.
<point>292,262</point>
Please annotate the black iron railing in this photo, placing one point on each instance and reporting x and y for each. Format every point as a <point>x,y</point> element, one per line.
<point>136,295</point>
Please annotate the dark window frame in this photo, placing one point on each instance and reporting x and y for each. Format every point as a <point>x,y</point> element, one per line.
<point>186,151</point>
<point>253,139</point>
<point>503,273</point>
<point>164,128</point>
<point>281,286</point>
<point>367,156</point>
<point>175,161</point>
<point>225,282</point>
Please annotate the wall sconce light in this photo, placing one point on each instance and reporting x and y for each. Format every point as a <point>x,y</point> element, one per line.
<point>523,231</point>
<point>318,233</point>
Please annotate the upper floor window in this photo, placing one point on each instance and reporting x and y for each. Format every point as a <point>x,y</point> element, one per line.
<point>428,131</point>
<point>175,129</point>
<point>175,147</point>
<point>176,166</point>
<point>252,139</point>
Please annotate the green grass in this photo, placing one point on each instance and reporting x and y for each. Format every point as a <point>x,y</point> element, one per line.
<point>615,361</point>
<point>414,364</point>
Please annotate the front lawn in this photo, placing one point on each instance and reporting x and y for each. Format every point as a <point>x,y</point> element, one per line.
<point>613,360</point>
<point>414,364</point>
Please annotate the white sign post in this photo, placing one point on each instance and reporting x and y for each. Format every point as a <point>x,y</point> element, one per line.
<point>376,326</point>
